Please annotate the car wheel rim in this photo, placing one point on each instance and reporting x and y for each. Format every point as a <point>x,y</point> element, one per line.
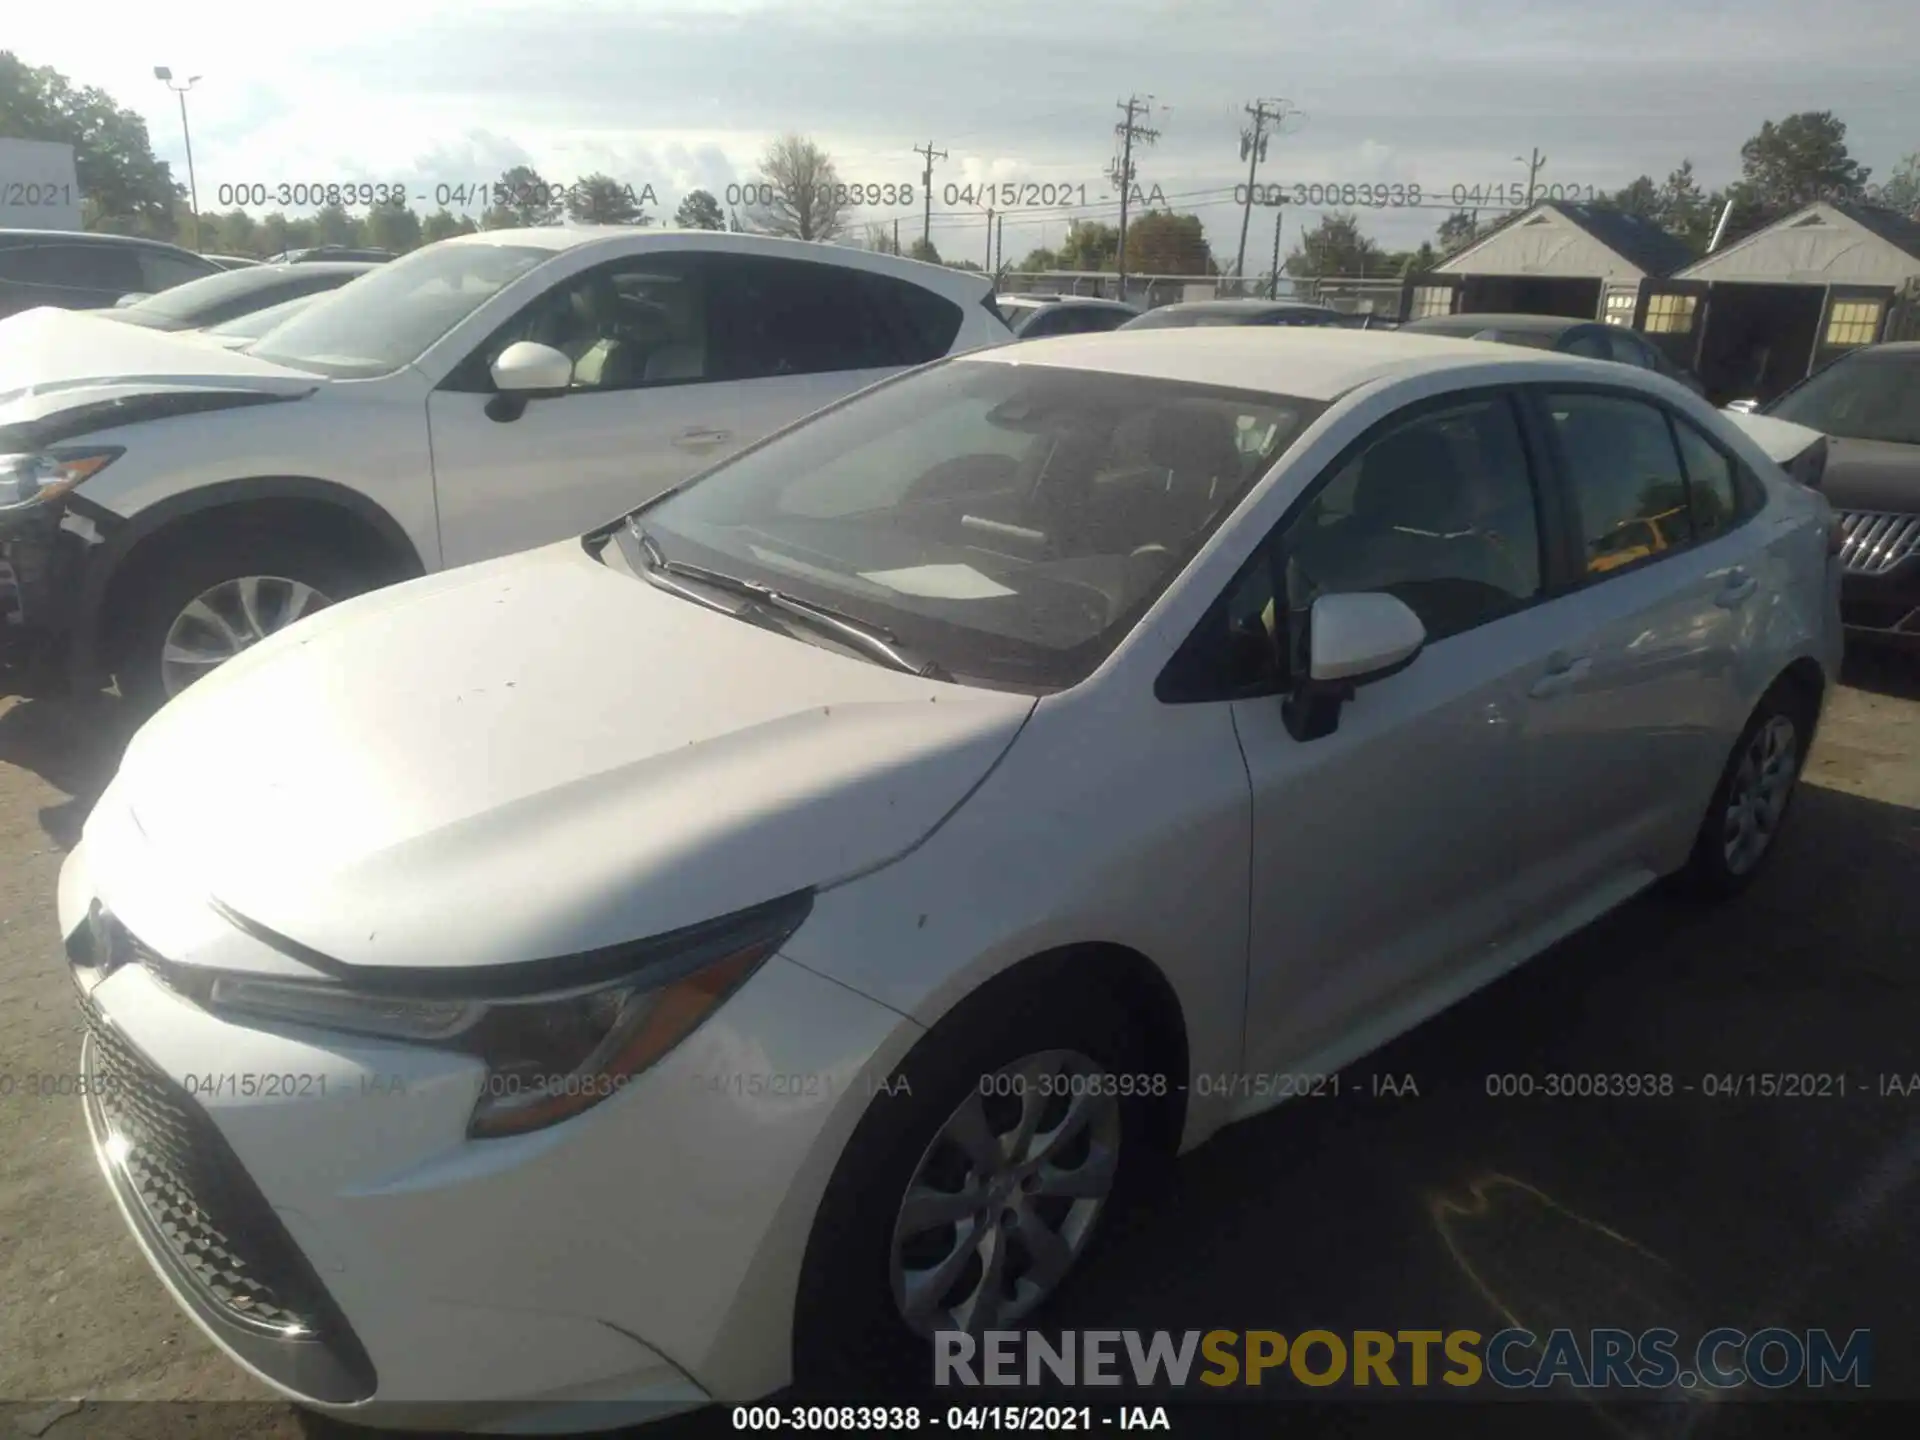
<point>219,623</point>
<point>1757,798</point>
<point>1003,1202</point>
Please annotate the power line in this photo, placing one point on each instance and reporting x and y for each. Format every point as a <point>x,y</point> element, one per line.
<point>1129,131</point>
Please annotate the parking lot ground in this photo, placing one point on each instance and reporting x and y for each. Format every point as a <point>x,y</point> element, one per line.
<point>1438,1207</point>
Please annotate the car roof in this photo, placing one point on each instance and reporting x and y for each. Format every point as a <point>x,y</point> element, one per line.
<point>87,237</point>
<point>1474,324</point>
<point>1243,306</point>
<point>1311,362</point>
<point>965,285</point>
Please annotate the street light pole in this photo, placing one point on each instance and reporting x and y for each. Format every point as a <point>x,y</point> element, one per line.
<point>165,75</point>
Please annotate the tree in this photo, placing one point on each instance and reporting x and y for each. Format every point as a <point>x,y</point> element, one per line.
<point>1902,192</point>
<point>881,239</point>
<point>602,200</point>
<point>1418,262</point>
<point>1038,259</point>
<point>234,233</point>
<point>1685,210</point>
<point>393,226</point>
<point>1801,159</point>
<point>443,225</point>
<point>1162,243</point>
<point>332,225</point>
<point>1336,247</point>
<point>1090,245</point>
<point>924,250</point>
<point>964,265</point>
<point>1641,198</point>
<point>700,211</point>
<point>1457,232</point>
<point>126,189</point>
<point>809,202</point>
<point>521,198</point>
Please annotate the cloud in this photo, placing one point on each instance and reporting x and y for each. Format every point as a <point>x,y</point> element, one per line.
<point>685,94</point>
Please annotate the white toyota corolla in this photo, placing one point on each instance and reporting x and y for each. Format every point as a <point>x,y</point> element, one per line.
<point>772,929</point>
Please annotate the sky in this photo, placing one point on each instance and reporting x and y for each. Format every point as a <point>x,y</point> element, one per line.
<point>677,94</point>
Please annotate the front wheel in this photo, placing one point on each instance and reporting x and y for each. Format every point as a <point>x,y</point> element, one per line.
<point>967,1195</point>
<point>208,603</point>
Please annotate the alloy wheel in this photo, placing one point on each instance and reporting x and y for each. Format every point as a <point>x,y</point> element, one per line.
<point>1004,1201</point>
<point>1757,797</point>
<point>233,616</point>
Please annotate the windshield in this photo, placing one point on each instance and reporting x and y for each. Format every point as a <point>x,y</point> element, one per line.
<point>1864,396</point>
<point>259,322</point>
<point>389,316</point>
<point>1012,522</point>
<point>184,306</point>
<point>1016,312</point>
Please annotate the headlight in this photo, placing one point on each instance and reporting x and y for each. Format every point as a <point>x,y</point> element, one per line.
<point>40,479</point>
<point>549,1055</point>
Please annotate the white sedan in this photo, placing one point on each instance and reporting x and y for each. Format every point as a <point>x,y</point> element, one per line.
<point>773,929</point>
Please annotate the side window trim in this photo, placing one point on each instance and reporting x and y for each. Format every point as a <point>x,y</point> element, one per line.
<point>1171,687</point>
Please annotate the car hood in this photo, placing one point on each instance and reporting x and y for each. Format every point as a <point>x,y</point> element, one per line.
<point>55,361</point>
<point>539,756</point>
<point>1872,475</point>
<point>1781,439</point>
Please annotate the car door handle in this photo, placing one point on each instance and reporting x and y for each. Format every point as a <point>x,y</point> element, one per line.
<point>1563,673</point>
<point>700,437</point>
<point>1739,587</point>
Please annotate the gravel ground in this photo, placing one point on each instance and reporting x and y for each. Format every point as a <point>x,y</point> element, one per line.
<point>1449,1209</point>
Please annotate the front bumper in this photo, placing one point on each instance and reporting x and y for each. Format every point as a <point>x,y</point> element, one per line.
<point>1883,609</point>
<point>635,1261</point>
<point>45,565</point>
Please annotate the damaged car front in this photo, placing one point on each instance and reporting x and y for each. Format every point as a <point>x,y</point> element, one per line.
<point>81,398</point>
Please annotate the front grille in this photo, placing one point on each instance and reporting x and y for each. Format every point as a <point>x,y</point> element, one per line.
<point>1875,541</point>
<point>224,1237</point>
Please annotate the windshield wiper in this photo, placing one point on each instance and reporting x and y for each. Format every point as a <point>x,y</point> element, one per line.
<point>862,635</point>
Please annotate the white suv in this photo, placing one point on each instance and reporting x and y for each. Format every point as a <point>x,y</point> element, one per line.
<point>164,505</point>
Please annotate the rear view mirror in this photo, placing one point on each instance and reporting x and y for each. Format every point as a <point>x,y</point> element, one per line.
<point>1350,640</point>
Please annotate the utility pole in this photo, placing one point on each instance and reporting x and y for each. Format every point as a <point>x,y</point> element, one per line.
<point>1253,149</point>
<point>1533,169</point>
<point>999,242</point>
<point>990,219</point>
<point>165,76</point>
<point>926,181</point>
<point>1273,281</point>
<point>1129,130</point>
<point>896,234</point>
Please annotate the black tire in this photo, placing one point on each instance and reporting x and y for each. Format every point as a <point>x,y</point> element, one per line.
<point>1708,874</point>
<point>849,1338</point>
<point>197,566</point>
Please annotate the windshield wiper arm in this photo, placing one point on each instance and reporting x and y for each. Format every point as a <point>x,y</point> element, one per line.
<point>875,641</point>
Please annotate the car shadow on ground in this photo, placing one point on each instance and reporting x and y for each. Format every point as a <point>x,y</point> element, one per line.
<point>1893,673</point>
<point>74,745</point>
<point>1447,1204</point>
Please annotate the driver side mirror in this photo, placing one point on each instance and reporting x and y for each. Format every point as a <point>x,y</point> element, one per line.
<point>529,370</point>
<point>1347,641</point>
<point>526,371</point>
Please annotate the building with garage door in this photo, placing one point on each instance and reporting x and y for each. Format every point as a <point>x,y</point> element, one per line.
<point>1758,316</point>
<point>1557,258</point>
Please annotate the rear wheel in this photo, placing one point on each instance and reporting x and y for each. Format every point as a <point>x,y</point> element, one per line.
<point>1750,803</point>
<point>212,600</point>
